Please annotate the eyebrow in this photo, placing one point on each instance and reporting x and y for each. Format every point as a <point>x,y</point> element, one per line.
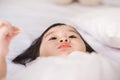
<point>49,34</point>
<point>68,30</point>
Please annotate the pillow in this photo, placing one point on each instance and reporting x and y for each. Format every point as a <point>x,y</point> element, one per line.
<point>103,24</point>
<point>111,2</point>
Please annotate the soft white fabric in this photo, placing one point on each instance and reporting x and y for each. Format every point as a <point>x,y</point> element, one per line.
<point>76,66</point>
<point>103,24</point>
<point>62,1</point>
<point>19,44</point>
<point>34,16</point>
<point>89,2</point>
<point>111,2</point>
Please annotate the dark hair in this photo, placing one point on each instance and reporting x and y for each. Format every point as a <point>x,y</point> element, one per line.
<point>32,52</point>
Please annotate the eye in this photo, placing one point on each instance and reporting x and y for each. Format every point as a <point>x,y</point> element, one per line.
<point>72,36</point>
<point>53,38</point>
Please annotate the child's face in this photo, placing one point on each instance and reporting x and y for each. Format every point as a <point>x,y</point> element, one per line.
<point>61,40</point>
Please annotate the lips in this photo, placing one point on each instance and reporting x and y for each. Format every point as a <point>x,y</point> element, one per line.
<point>64,45</point>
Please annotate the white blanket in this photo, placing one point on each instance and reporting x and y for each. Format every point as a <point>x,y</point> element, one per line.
<point>33,17</point>
<point>76,66</point>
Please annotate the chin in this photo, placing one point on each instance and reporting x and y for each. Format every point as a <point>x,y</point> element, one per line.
<point>65,52</point>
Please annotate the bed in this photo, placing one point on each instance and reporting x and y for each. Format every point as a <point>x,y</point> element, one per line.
<point>35,16</point>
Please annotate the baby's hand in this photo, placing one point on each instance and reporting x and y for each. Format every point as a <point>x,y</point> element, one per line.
<point>7,32</point>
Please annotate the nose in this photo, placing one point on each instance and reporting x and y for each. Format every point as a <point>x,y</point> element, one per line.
<point>64,40</point>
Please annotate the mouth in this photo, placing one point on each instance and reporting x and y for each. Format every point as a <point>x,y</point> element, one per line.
<point>65,45</point>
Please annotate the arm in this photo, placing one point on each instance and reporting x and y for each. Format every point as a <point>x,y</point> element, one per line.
<point>7,32</point>
<point>2,67</point>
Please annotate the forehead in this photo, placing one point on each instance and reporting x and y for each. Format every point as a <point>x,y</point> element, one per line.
<point>61,28</point>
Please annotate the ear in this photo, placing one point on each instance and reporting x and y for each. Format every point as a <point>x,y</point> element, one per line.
<point>89,2</point>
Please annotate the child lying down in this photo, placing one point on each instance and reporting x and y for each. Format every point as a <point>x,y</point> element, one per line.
<point>60,53</point>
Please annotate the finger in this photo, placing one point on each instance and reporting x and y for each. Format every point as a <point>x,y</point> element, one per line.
<point>8,32</point>
<point>14,31</point>
<point>11,31</point>
<point>4,34</point>
<point>4,23</point>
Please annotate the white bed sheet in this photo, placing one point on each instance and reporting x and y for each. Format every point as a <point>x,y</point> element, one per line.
<point>34,16</point>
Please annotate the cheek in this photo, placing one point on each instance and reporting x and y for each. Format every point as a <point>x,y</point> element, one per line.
<point>47,48</point>
<point>80,45</point>
<point>43,48</point>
